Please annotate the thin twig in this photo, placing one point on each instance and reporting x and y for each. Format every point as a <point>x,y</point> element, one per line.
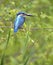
<point>35,28</point>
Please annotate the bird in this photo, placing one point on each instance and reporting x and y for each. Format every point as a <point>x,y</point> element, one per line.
<point>20,19</point>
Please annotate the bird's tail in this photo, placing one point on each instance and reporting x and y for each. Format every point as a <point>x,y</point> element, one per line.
<point>15,29</point>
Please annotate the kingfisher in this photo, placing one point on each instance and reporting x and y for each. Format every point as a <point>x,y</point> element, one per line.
<point>19,21</point>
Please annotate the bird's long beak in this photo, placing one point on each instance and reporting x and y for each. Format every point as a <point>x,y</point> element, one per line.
<point>28,14</point>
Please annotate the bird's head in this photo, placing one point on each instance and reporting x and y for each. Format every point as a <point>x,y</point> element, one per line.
<point>23,14</point>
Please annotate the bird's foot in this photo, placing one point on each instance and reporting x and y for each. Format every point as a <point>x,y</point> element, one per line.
<point>23,30</point>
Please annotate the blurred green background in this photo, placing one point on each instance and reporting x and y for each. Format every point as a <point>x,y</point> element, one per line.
<point>34,45</point>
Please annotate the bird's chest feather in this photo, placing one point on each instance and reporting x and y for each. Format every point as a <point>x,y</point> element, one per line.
<point>20,20</point>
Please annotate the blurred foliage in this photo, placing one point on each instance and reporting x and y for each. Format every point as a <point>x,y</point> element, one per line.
<point>31,46</point>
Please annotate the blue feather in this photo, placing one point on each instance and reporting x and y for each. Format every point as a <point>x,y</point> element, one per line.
<point>18,22</point>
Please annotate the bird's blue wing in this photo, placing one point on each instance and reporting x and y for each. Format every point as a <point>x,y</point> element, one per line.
<point>18,23</point>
